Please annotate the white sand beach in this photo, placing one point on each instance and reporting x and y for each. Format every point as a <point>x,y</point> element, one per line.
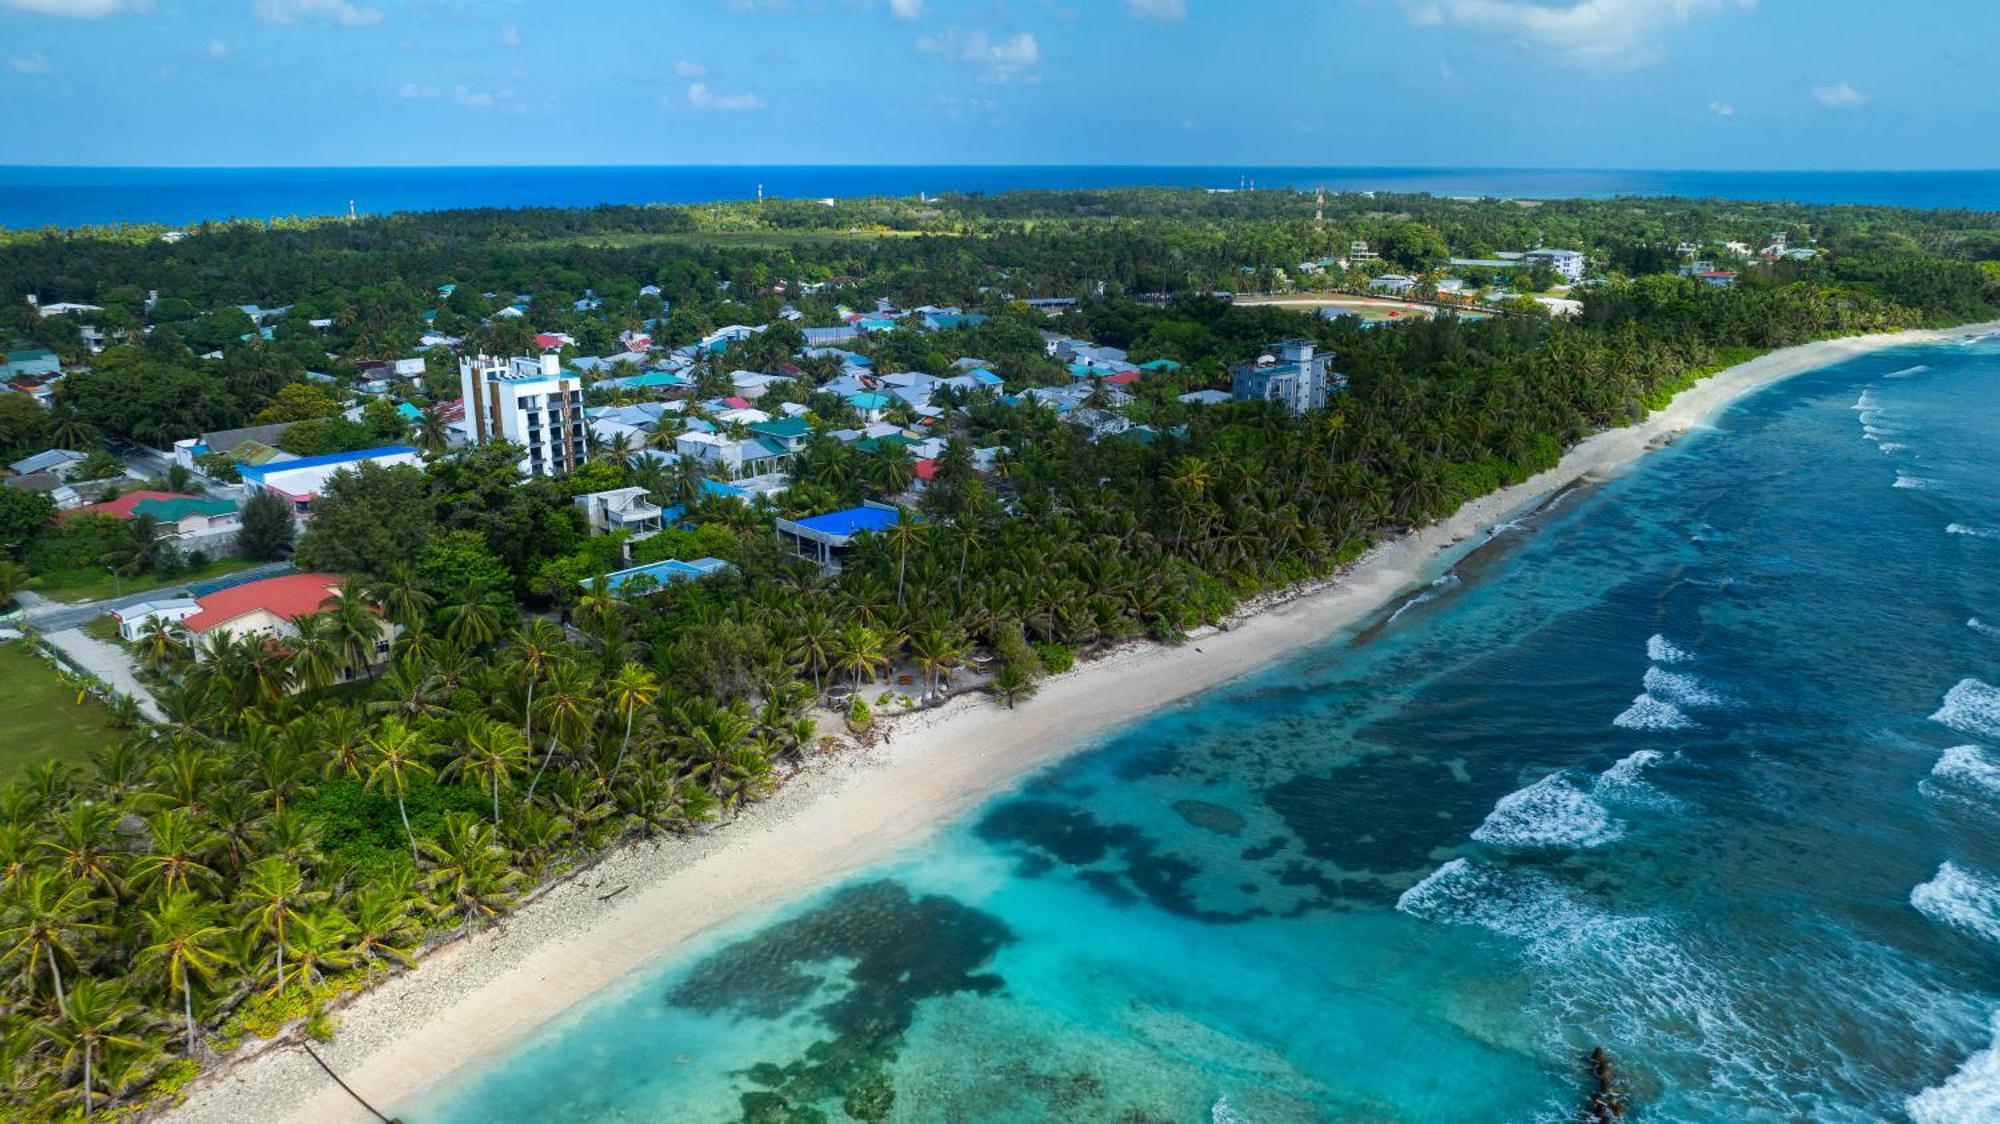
<point>484,994</point>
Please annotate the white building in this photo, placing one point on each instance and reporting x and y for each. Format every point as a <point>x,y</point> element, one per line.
<point>621,509</point>
<point>1568,264</point>
<point>529,402</point>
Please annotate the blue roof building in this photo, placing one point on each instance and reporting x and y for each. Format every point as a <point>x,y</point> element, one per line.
<point>645,579</point>
<point>822,538</point>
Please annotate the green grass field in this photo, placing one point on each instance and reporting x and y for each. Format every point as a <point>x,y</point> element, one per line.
<point>95,585</point>
<point>40,717</point>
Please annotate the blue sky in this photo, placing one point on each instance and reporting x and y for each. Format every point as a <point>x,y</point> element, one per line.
<point>1574,83</point>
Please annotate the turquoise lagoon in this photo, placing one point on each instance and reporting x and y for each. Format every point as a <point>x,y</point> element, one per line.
<point>1701,766</point>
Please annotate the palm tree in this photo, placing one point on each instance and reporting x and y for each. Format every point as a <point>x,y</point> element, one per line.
<point>273,895</point>
<point>535,650</point>
<point>138,549</point>
<point>14,578</point>
<point>470,873</point>
<point>906,530</point>
<point>470,620</point>
<point>320,942</point>
<point>433,432</point>
<point>342,738</point>
<point>159,643</point>
<point>633,688</point>
<point>815,644</point>
<point>938,647</point>
<point>316,655</point>
<point>1011,685</point>
<point>492,752</point>
<point>402,597</point>
<point>860,650</point>
<point>96,1016</point>
<point>184,941</point>
<point>358,626</point>
<point>567,709</point>
<point>398,754</point>
<point>175,861</point>
<point>384,923</point>
<point>45,923</point>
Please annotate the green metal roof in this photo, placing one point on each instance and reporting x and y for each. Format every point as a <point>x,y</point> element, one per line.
<point>174,510</point>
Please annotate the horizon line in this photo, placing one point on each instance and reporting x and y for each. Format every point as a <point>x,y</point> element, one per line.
<point>7,166</point>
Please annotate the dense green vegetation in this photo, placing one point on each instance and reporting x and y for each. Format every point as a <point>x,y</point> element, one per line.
<point>288,833</point>
<point>45,717</point>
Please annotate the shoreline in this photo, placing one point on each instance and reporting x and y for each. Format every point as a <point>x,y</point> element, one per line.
<point>478,997</point>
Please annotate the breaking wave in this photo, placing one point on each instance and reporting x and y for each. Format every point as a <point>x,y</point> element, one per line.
<point>1968,767</point>
<point>1649,713</point>
<point>1971,1094</point>
<point>1892,447</point>
<point>1905,480</point>
<point>1866,401</point>
<point>1973,707</point>
<point>1982,628</point>
<point>1975,532</point>
<point>1659,649</point>
<point>1961,899</point>
<point>1681,689</point>
<point>1552,812</point>
<point>1908,371</point>
<point>1524,904</point>
<point>1625,782</point>
<point>1430,593</point>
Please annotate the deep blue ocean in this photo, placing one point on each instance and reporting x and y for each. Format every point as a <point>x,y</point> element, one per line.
<point>56,196</point>
<point>1700,765</point>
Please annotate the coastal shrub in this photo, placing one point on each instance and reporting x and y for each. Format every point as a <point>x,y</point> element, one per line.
<point>1055,658</point>
<point>859,718</point>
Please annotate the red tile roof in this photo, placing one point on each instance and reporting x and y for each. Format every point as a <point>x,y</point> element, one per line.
<point>120,508</point>
<point>292,595</point>
<point>736,403</point>
<point>927,468</point>
<point>1125,378</point>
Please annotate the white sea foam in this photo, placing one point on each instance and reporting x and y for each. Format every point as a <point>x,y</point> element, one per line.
<point>1970,530</point>
<point>1659,649</point>
<point>1907,372</point>
<point>1905,480</point>
<point>1962,899</point>
<point>1876,432</point>
<point>1866,401</point>
<point>1649,713</point>
<point>1430,593</point>
<point>1892,447</point>
<point>1969,767</point>
<point>1966,1097</point>
<point>1523,904</point>
<point>1982,628</point>
<point>1869,417</point>
<point>1552,812</point>
<point>1973,707</point>
<point>1625,782</point>
<point>1681,689</point>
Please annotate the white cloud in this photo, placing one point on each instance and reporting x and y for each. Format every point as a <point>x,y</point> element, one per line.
<point>218,49</point>
<point>1003,60</point>
<point>510,36</point>
<point>35,63</point>
<point>1722,109</point>
<point>701,97</point>
<point>906,9</point>
<point>78,9</point>
<point>687,69</point>
<point>1597,34</point>
<point>417,91</point>
<point>1158,9</point>
<point>1840,95</point>
<point>479,99</point>
<point>342,12</point>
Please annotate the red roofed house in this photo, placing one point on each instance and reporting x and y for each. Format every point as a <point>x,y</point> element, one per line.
<point>737,402</point>
<point>554,341</point>
<point>267,608</point>
<point>196,522</point>
<point>1124,378</point>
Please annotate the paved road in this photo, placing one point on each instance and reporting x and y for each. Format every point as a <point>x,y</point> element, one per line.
<point>56,616</point>
<point>109,663</point>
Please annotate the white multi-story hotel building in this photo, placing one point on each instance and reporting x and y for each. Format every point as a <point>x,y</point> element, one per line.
<point>529,402</point>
